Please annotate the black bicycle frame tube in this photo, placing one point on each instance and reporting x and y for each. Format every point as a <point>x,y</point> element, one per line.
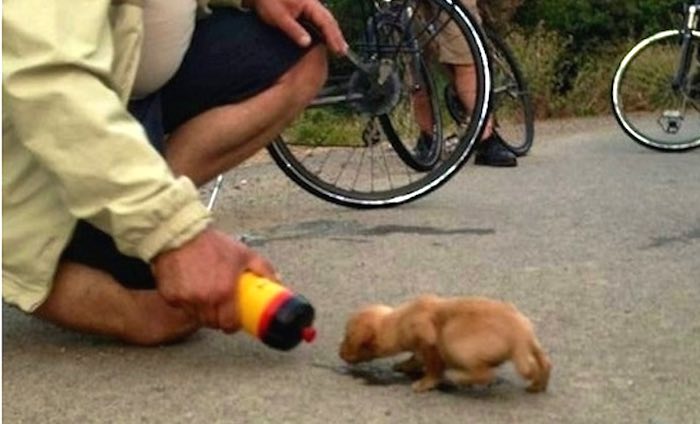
<point>691,19</point>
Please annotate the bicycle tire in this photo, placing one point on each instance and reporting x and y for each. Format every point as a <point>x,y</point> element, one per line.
<point>305,163</point>
<point>411,156</point>
<point>512,109</point>
<point>644,102</point>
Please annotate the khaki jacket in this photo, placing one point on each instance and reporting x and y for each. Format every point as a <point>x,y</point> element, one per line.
<point>71,150</point>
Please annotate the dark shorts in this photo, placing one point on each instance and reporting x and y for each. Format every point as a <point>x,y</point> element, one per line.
<point>233,56</point>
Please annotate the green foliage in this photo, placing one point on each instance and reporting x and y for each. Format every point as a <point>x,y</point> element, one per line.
<point>326,127</point>
<point>589,93</point>
<point>537,52</point>
<point>595,23</point>
<point>593,35</point>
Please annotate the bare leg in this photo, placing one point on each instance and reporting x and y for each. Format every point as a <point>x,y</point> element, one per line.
<point>464,78</point>
<point>465,85</point>
<point>491,150</point>
<point>89,300</point>
<point>422,111</point>
<point>221,138</point>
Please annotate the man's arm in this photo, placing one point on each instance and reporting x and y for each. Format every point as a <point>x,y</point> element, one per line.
<point>60,99</point>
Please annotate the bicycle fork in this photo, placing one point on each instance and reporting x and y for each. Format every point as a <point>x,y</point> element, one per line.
<point>681,77</point>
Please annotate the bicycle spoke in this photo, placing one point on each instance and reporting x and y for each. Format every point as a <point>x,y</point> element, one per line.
<point>359,170</point>
<point>386,168</point>
<point>326,160</point>
<point>343,167</point>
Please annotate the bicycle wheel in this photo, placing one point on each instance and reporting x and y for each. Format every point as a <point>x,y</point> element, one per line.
<point>512,105</point>
<point>645,103</point>
<point>358,144</point>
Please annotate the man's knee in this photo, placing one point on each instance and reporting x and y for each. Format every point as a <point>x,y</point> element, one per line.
<point>308,76</point>
<point>318,58</point>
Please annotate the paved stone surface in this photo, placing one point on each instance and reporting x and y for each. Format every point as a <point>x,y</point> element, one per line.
<point>594,237</point>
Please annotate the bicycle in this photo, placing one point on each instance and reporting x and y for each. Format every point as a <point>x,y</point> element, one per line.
<point>357,143</point>
<point>511,107</point>
<point>656,87</point>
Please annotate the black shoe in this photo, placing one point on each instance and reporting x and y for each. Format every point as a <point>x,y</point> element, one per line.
<point>492,152</point>
<point>425,148</point>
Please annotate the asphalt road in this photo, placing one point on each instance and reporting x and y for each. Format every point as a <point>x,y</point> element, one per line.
<point>595,238</point>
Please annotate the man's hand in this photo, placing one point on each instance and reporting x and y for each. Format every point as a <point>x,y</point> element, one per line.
<point>201,277</point>
<point>284,14</point>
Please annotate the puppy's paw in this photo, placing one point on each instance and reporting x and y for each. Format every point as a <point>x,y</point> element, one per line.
<point>425,384</point>
<point>536,388</point>
<point>412,367</point>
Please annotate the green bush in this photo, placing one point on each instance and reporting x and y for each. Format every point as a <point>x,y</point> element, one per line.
<point>590,36</point>
<point>590,90</point>
<point>592,24</point>
<point>537,52</point>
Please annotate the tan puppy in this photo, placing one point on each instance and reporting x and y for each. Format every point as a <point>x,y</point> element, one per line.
<point>469,336</point>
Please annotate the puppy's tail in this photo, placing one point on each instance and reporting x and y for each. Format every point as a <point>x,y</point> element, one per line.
<point>533,364</point>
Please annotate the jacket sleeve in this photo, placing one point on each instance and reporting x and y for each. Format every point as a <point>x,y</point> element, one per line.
<point>60,96</point>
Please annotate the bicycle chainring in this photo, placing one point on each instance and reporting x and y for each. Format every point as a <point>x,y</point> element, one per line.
<point>377,91</point>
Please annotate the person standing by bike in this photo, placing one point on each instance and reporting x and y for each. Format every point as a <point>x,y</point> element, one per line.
<point>452,51</point>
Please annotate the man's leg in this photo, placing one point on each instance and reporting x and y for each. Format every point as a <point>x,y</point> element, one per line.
<point>491,150</point>
<point>223,137</point>
<point>465,85</point>
<point>91,301</point>
<point>240,84</point>
<point>456,54</point>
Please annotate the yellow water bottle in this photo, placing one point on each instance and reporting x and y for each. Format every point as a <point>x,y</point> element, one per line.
<point>274,314</point>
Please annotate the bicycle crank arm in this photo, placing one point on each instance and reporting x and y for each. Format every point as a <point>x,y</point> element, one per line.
<point>318,36</point>
<point>355,60</point>
<point>350,54</point>
<point>331,100</point>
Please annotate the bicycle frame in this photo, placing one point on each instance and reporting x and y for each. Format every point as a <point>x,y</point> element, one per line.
<point>370,49</point>
<point>691,23</point>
